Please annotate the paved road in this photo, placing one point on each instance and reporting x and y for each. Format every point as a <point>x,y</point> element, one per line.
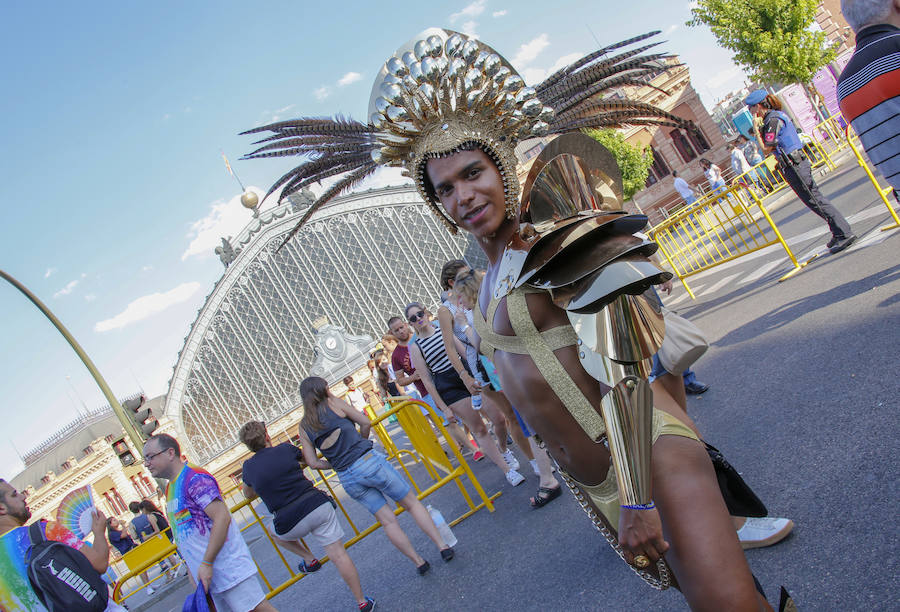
<point>803,402</point>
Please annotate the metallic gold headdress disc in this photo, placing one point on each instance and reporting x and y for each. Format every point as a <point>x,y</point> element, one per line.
<point>441,90</point>
<point>573,173</point>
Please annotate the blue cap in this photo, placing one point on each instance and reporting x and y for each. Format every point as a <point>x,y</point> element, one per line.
<point>755,97</point>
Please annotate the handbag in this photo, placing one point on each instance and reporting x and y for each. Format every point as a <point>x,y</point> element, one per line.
<point>739,497</point>
<point>682,345</point>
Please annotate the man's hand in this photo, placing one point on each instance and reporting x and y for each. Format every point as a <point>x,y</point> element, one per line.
<point>204,575</point>
<point>640,533</point>
<point>98,524</point>
<point>666,287</point>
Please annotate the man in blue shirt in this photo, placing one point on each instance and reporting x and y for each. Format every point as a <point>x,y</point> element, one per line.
<point>779,135</point>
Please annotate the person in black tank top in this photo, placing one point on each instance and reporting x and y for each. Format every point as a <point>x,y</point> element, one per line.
<point>275,473</point>
<point>329,424</point>
<point>429,357</point>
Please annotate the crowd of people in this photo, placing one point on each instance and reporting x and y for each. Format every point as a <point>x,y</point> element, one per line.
<point>685,523</point>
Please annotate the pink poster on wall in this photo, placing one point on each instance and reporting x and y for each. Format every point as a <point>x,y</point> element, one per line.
<point>798,105</point>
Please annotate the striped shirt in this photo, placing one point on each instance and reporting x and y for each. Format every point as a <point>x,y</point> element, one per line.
<point>869,94</point>
<point>434,352</point>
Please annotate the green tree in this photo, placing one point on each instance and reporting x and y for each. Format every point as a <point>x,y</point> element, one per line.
<point>634,161</point>
<point>771,39</point>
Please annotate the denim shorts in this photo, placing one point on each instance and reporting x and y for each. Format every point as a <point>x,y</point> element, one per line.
<point>370,478</point>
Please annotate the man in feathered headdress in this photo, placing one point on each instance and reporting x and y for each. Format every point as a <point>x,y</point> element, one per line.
<point>562,311</point>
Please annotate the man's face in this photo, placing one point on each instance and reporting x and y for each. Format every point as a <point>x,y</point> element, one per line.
<point>13,504</point>
<point>400,330</point>
<point>159,461</point>
<point>470,188</point>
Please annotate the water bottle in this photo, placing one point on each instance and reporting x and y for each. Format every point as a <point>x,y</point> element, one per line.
<point>442,526</point>
<point>476,401</point>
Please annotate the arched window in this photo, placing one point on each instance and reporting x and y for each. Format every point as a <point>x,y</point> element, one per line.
<point>698,139</point>
<point>659,168</point>
<point>683,145</point>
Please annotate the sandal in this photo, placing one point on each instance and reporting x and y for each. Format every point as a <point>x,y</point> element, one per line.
<point>545,495</point>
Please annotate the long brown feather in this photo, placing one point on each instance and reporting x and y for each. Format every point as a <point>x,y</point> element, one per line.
<point>345,183</point>
<point>556,76</point>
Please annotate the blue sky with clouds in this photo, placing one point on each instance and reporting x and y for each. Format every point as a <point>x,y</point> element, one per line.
<point>112,121</point>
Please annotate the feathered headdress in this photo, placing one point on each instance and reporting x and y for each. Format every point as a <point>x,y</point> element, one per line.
<point>443,90</point>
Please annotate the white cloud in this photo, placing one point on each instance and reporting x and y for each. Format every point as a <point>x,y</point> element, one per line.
<point>671,29</point>
<point>90,297</point>
<point>147,306</point>
<point>496,14</point>
<point>146,268</point>
<point>470,10</point>
<point>347,79</point>
<point>166,117</point>
<point>224,219</point>
<point>530,50</point>
<point>49,272</point>
<point>382,178</point>
<point>69,288</point>
<point>322,92</point>
<point>533,76</point>
<point>468,28</point>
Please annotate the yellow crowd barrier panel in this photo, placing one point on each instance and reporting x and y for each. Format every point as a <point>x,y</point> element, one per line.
<point>882,191</point>
<point>716,230</point>
<point>140,559</point>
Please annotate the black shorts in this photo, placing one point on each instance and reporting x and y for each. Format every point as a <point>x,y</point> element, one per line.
<point>450,386</point>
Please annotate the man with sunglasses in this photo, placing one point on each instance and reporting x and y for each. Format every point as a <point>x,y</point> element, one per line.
<point>207,538</point>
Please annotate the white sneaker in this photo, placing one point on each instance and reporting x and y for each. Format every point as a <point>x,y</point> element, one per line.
<point>150,590</point>
<point>510,459</point>
<point>534,467</point>
<point>765,531</point>
<point>514,478</point>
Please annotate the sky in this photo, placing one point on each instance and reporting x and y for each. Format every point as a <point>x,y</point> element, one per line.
<point>113,122</point>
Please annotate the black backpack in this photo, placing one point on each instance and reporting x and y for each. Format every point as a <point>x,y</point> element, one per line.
<point>62,577</point>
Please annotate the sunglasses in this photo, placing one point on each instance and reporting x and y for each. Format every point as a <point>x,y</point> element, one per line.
<point>416,316</point>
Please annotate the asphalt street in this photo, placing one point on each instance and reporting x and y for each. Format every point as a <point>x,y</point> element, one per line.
<point>803,402</point>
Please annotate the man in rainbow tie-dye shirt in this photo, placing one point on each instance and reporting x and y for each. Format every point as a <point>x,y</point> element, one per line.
<point>16,594</point>
<point>207,538</point>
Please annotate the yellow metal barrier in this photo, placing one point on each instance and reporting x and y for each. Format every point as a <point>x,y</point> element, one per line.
<point>882,191</point>
<point>427,450</point>
<point>140,559</point>
<point>717,230</point>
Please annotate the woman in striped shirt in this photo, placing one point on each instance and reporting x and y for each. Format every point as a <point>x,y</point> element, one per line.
<point>429,358</point>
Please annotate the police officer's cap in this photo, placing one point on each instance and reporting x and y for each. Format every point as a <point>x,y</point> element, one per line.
<point>755,97</point>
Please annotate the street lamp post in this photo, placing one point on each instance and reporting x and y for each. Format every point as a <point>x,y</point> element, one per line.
<point>126,422</point>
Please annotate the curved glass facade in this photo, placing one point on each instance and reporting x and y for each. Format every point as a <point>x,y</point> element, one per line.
<point>357,262</point>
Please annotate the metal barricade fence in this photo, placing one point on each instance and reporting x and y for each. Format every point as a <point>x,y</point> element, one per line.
<point>426,450</point>
<point>882,191</point>
<point>713,231</point>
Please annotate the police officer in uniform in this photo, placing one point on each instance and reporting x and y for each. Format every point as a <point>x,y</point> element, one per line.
<point>779,134</point>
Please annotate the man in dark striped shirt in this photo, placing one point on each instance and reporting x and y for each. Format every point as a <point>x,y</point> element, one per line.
<point>869,87</point>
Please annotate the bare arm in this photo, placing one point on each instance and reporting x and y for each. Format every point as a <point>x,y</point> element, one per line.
<point>418,361</point>
<point>248,491</point>
<point>221,519</point>
<point>445,318</point>
<point>153,524</point>
<point>309,453</point>
<point>98,553</point>
<point>404,379</point>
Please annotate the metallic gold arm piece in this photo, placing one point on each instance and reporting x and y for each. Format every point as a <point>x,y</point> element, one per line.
<point>628,413</point>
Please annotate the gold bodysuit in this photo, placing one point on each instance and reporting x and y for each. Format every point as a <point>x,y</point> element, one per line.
<point>540,346</point>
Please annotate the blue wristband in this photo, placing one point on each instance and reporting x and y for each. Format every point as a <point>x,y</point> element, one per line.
<point>649,506</point>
